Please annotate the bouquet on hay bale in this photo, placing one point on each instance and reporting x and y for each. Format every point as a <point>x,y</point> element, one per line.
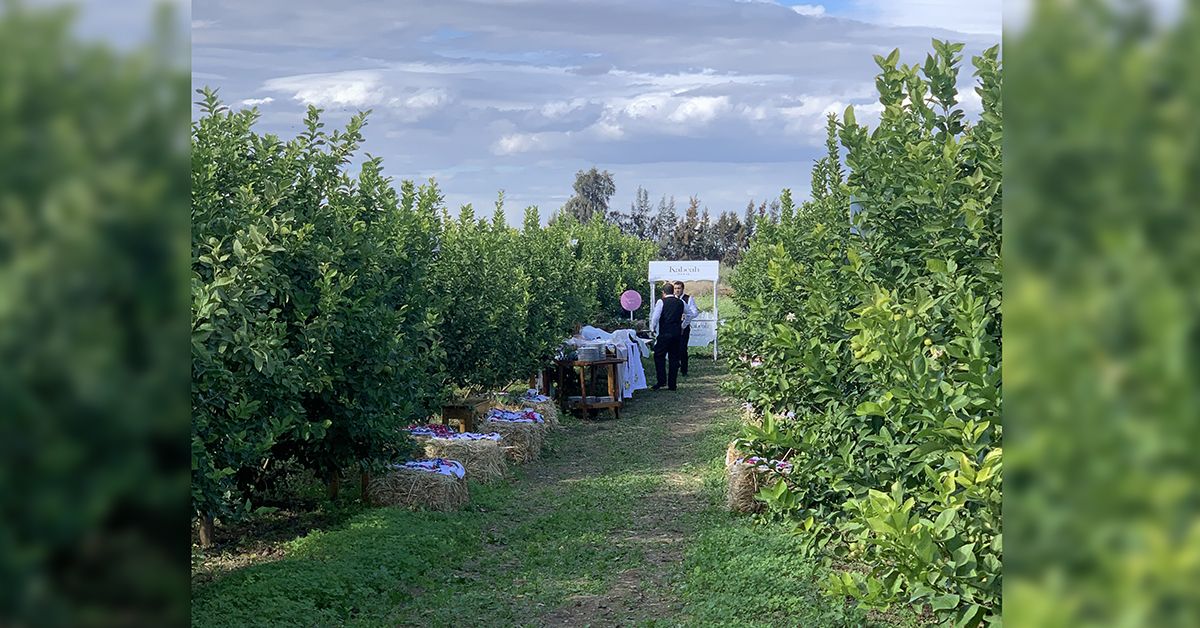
<point>524,431</point>
<point>436,484</point>
<point>748,475</point>
<point>482,455</point>
<point>530,400</point>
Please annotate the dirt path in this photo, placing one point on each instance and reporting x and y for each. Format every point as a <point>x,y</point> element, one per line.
<point>669,425</point>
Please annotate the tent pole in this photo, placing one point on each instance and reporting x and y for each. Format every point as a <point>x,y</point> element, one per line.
<point>716,320</point>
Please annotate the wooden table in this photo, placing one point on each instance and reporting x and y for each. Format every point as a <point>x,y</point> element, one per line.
<point>613,401</point>
<point>465,412</point>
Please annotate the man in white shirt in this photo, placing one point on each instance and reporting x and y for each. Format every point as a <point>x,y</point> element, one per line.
<point>666,322</point>
<point>690,312</point>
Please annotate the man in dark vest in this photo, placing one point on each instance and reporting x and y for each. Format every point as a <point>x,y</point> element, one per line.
<point>690,312</point>
<point>666,322</point>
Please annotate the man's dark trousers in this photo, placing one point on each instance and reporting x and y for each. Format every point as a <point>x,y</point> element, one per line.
<point>666,352</point>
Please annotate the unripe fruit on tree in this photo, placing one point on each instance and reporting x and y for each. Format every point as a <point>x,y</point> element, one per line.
<point>928,342</point>
<point>910,312</point>
<point>896,317</point>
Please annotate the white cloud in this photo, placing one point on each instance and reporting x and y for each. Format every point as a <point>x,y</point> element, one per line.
<point>607,129</point>
<point>969,100</point>
<point>659,108</point>
<point>356,88</point>
<point>420,104</point>
<point>515,143</point>
<point>254,102</point>
<point>699,110</point>
<point>560,108</point>
<point>814,10</point>
<point>202,24</point>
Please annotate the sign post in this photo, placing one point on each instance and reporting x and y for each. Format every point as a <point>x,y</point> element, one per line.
<point>701,270</point>
<point>630,301</point>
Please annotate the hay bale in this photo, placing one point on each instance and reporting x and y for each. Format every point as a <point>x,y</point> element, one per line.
<point>733,454</point>
<point>744,481</point>
<point>523,440</point>
<point>483,459</point>
<point>548,410</point>
<point>418,489</point>
<point>746,476</point>
<point>528,401</point>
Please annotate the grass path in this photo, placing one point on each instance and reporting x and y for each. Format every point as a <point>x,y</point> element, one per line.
<point>620,524</point>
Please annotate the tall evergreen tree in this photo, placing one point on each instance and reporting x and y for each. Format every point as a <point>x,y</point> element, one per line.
<point>706,243</point>
<point>688,229</point>
<point>638,222</point>
<point>728,230</point>
<point>747,231</point>
<point>662,228</point>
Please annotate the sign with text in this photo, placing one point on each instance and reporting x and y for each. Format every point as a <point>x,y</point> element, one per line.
<point>685,271</point>
<point>704,327</point>
<point>704,330</point>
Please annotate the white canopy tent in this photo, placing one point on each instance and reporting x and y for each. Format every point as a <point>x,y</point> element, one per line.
<point>688,271</point>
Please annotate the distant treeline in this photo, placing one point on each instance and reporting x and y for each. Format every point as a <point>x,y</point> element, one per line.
<point>697,234</point>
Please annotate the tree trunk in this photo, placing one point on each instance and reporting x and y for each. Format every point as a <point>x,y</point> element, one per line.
<point>364,481</point>
<point>335,483</point>
<point>206,531</point>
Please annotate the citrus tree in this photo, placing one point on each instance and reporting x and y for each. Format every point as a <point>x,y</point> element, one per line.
<point>311,337</point>
<point>483,289</point>
<point>872,348</point>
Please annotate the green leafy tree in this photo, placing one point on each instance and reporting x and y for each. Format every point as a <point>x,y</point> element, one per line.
<point>485,301</point>
<point>313,338</point>
<point>875,355</point>
<point>559,298</point>
<point>663,227</point>
<point>687,232</point>
<point>611,263</point>
<point>593,190</point>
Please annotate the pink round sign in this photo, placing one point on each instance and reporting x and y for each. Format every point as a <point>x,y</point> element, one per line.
<point>631,300</point>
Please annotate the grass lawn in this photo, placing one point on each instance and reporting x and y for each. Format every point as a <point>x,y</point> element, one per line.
<point>620,523</point>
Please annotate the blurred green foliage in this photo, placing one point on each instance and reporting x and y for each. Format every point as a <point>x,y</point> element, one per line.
<point>872,353</point>
<point>93,304</point>
<point>1102,283</point>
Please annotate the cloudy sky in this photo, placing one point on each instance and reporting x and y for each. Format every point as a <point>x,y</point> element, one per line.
<point>723,99</point>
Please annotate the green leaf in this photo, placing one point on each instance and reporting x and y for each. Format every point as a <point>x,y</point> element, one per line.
<point>944,602</point>
<point>944,520</point>
<point>964,555</point>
